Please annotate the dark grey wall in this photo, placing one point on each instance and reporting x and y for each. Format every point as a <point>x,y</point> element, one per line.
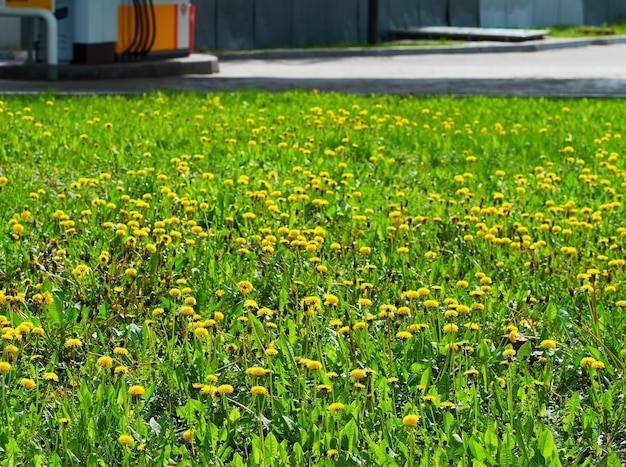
<point>243,24</point>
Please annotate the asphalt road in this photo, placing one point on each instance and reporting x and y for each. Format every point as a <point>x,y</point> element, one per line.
<point>592,71</point>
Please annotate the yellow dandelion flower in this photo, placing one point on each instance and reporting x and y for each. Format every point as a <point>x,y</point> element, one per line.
<point>358,374</point>
<point>126,439</point>
<point>331,300</point>
<point>256,371</point>
<point>410,420</point>
<point>314,365</point>
<point>225,389</point>
<point>73,343</point>
<point>136,390</point>
<point>245,287</point>
<point>186,310</point>
<point>50,376</point>
<point>259,390</point>
<point>28,383</point>
<point>335,406</point>
<point>249,303</point>
<point>405,335</point>
<point>105,360</point>
<point>508,353</point>
<point>80,270</point>
<point>548,344</point>
<point>5,366</point>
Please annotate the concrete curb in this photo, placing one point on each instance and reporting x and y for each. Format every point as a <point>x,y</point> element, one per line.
<point>480,47</point>
<point>195,64</point>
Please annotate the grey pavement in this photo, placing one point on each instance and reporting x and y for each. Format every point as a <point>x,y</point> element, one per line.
<point>590,70</point>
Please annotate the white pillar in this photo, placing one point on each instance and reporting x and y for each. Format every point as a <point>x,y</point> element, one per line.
<point>51,29</point>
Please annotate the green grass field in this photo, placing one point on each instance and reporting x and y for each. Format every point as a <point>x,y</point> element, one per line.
<point>311,279</point>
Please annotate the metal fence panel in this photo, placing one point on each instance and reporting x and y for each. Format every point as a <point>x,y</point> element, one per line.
<point>463,13</point>
<point>341,22</point>
<point>616,10</point>
<point>571,12</point>
<point>435,12</point>
<point>492,14</point>
<point>519,13</point>
<point>397,14</point>
<point>206,24</point>
<point>273,23</point>
<point>595,12</point>
<point>546,12</point>
<point>362,20</point>
<point>309,22</point>
<point>235,24</point>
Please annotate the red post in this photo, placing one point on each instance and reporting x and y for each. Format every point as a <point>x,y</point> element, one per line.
<point>192,25</point>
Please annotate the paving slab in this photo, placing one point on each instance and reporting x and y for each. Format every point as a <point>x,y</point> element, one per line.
<point>470,34</point>
<point>591,71</point>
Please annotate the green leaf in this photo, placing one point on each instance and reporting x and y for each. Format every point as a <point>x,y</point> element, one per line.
<point>524,351</point>
<point>224,452</point>
<point>257,455</point>
<point>491,440</point>
<point>298,453</point>
<point>425,378</point>
<point>548,448</point>
<point>448,422</point>
<point>257,326</point>
<point>56,314</point>
<point>237,460</point>
<point>572,409</point>
<point>477,450</point>
<point>610,460</point>
<point>282,452</point>
<point>271,445</point>
<point>234,415</point>
<point>505,456</point>
<point>351,432</point>
<point>55,460</point>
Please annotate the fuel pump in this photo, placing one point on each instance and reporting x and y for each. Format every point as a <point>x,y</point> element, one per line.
<point>108,31</point>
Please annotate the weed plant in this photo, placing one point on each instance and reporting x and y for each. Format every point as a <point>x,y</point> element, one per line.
<point>311,279</point>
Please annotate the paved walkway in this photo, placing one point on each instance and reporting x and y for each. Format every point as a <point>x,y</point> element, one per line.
<point>595,70</point>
